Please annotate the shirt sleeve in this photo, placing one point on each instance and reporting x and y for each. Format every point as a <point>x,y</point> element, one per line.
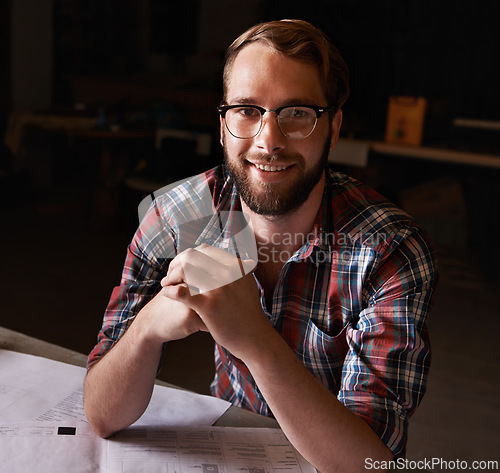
<point>385,370</point>
<point>148,255</point>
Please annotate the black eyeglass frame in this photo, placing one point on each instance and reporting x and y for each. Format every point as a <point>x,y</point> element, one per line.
<point>222,109</point>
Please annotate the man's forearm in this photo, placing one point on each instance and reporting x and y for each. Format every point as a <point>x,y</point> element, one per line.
<point>119,387</point>
<point>326,433</point>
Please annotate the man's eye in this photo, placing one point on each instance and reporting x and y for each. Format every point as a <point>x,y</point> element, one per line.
<point>248,112</point>
<point>294,113</point>
<point>298,113</point>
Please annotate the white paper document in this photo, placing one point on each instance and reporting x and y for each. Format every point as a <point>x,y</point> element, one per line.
<point>75,448</point>
<point>204,450</point>
<point>35,388</point>
<point>50,448</point>
<point>43,428</point>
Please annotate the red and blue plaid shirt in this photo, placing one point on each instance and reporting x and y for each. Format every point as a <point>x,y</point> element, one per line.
<point>352,302</point>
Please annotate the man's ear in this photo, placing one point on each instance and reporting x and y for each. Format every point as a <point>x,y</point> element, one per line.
<point>221,131</point>
<point>336,124</point>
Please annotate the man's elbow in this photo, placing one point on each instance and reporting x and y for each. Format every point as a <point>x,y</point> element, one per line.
<point>93,407</point>
<point>101,429</point>
<point>99,424</point>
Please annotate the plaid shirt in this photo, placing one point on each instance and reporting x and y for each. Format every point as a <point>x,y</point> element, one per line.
<point>352,302</point>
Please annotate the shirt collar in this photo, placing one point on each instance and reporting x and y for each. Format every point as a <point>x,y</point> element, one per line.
<point>220,228</point>
<point>322,230</point>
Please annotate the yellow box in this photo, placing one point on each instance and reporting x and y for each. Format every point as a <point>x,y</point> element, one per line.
<point>405,120</point>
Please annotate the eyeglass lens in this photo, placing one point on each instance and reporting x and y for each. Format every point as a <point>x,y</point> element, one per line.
<point>294,122</point>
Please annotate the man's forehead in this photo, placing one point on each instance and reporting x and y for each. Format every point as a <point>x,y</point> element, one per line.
<point>260,70</point>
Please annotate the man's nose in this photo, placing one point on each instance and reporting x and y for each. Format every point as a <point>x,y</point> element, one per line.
<point>270,139</point>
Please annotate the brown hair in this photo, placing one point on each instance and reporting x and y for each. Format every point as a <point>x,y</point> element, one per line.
<point>303,42</point>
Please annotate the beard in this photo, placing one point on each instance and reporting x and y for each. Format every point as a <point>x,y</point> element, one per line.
<point>275,200</point>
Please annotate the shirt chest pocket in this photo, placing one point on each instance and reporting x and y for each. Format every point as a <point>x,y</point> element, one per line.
<point>323,355</point>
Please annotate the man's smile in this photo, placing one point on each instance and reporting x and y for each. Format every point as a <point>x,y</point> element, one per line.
<point>270,172</point>
<point>271,167</point>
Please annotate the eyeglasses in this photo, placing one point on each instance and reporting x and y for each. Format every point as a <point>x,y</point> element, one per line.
<point>295,121</point>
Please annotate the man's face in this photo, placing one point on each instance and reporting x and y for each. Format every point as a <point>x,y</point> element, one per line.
<point>275,174</point>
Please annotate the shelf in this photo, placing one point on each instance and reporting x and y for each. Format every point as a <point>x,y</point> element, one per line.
<point>346,147</point>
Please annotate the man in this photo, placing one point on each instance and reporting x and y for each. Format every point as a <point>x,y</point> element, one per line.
<point>328,333</point>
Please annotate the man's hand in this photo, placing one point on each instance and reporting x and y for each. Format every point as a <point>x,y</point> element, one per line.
<point>220,288</point>
<point>167,319</point>
<point>205,268</point>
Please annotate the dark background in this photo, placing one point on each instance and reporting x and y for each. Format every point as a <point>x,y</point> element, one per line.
<point>443,51</point>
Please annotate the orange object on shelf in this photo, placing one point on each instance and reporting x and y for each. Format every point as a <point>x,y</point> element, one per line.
<point>405,120</point>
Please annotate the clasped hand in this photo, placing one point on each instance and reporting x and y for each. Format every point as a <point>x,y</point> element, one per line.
<point>221,289</point>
